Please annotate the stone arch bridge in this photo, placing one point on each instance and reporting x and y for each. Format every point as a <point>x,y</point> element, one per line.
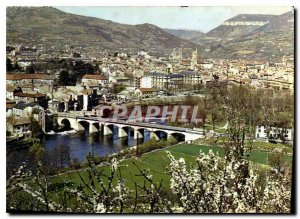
<point>109,126</point>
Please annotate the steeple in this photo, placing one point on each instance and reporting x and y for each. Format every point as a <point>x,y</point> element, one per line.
<point>194,59</point>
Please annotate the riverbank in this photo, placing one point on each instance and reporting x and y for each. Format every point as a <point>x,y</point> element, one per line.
<point>156,162</point>
<point>17,144</point>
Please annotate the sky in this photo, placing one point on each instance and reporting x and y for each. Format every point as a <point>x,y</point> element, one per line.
<point>174,17</point>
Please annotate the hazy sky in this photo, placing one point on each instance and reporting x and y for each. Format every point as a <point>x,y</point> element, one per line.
<point>195,18</point>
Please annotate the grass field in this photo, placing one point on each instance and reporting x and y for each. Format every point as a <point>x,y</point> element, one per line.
<point>157,162</point>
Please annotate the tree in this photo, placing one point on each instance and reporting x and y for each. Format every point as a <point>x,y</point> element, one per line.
<point>118,88</point>
<point>63,78</point>
<point>35,126</point>
<point>30,69</point>
<point>277,110</point>
<point>276,160</point>
<point>37,149</point>
<point>213,103</point>
<point>9,66</point>
<point>217,185</point>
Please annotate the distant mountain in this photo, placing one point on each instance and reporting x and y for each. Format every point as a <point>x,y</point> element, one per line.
<point>280,23</point>
<point>235,27</point>
<point>51,27</point>
<point>185,34</point>
<point>268,42</point>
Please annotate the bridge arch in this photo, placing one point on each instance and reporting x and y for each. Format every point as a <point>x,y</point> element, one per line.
<point>107,129</point>
<point>65,123</point>
<point>179,137</point>
<point>83,125</point>
<point>127,129</point>
<point>94,127</point>
<point>160,134</point>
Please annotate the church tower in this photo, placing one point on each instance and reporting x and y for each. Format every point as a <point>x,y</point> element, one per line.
<point>194,59</point>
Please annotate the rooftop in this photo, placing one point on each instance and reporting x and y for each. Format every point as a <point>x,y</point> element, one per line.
<point>94,77</point>
<point>22,121</point>
<point>35,95</point>
<point>22,105</point>
<point>27,76</point>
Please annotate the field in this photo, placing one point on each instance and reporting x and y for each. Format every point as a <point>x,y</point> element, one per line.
<point>157,162</point>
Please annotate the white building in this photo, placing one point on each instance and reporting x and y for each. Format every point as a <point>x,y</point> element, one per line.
<point>88,79</point>
<point>275,133</point>
<point>20,127</point>
<point>206,65</point>
<point>146,82</point>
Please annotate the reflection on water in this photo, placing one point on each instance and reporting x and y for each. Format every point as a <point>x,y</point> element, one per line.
<point>80,144</point>
<point>83,143</point>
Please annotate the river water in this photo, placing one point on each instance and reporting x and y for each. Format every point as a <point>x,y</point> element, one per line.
<point>82,143</point>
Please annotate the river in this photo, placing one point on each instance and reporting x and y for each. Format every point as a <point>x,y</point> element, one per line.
<point>83,143</point>
<point>80,144</point>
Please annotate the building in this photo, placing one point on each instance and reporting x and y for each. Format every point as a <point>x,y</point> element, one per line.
<point>89,79</point>
<point>41,99</point>
<point>166,81</point>
<point>194,59</point>
<point>176,55</point>
<point>119,80</point>
<point>32,79</point>
<point>9,108</point>
<point>27,110</point>
<point>275,133</point>
<point>137,82</point>
<point>191,77</point>
<point>206,65</point>
<point>19,127</point>
<point>146,82</point>
<point>143,92</point>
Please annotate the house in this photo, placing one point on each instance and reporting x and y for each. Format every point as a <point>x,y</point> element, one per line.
<point>19,79</point>
<point>41,99</point>
<point>10,91</point>
<point>206,65</point>
<point>124,95</point>
<point>254,80</point>
<point>56,106</point>
<point>19,127</point>
<point>90,79</point>
<point>26,110</point>
<point>143,92</point>
<point>9,107</point>
<point>119,80</point>
<point>275,133</point>
<point>90,99</point>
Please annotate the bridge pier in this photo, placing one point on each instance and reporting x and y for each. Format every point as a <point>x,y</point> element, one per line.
<point>92,128</point>
<point>122,133</point>
<point>154,136</point>
<point>78,127</point>
<point>107,130</point>
<point>137,134</point>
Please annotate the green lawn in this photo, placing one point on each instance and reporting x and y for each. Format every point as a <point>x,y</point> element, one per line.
<point>157,162</point>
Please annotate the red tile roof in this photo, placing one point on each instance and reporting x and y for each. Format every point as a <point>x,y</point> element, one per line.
<point>95,77</point>
<point>27,76</point>
<point>36,95</point>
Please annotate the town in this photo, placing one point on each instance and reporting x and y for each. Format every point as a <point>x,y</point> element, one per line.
<point>108,117</point>
<point>121,78</point>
